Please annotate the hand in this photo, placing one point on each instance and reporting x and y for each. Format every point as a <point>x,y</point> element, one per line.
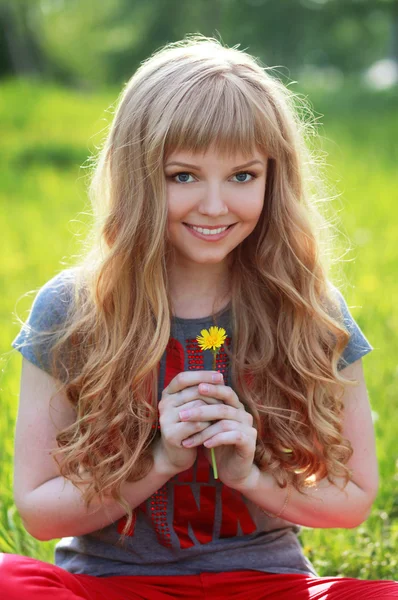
<point>231,432</point>
<point>182,392</point>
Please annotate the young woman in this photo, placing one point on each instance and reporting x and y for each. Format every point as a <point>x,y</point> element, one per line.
<point>176,460</point>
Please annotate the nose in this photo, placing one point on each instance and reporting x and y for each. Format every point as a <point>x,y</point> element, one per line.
<point>213,202</point>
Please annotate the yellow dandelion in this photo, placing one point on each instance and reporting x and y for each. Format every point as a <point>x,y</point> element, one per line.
<point>212,339</point>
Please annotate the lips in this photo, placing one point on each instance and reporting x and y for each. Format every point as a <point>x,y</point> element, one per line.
<point>209,237</point>
<point>208,226</point>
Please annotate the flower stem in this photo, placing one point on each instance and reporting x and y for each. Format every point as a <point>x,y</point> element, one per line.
<point>212,450</point>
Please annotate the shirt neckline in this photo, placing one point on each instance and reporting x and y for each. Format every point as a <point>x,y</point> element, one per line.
<point>219,313</point>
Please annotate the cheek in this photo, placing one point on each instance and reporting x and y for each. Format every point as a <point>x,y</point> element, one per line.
<point>177,206</point>
<point>258,200</point>
<point>249,206</point>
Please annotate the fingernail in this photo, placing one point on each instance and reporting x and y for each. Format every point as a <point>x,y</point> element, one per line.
<point>184,414</point>
<point>204,387</point>
<point>217,377</point>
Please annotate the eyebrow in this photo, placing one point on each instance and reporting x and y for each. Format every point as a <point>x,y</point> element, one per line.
<point>182,164</point>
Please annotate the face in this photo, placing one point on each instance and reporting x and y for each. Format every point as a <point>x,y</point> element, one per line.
<point>211,191</point>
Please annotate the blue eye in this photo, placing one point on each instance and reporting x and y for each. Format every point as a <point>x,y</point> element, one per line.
<point>185,175</point>
<point>252,175</point>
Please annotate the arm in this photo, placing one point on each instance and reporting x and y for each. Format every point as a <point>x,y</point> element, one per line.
<point>49,505</point>
<point>326,505</point>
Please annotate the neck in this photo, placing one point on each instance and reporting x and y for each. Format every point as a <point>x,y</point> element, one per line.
<point>198,289</point>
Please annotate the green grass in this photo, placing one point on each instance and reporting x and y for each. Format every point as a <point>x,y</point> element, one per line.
<point>49,132</point>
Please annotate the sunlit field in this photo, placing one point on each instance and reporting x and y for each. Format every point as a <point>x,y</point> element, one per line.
<point>47,136</point>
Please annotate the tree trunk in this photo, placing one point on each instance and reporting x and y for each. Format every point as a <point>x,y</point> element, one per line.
<point>394,32</point>
<point>22,48</point>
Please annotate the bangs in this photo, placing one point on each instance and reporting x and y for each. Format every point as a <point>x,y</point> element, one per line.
<point>216,112</point>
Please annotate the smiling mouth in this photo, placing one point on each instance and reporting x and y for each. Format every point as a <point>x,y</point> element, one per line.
<point>210,235</point>
<point>210,227</point>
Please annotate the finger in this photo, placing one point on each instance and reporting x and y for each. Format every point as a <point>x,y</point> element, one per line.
<point>227,395</point>
<point>169,406</point>
<point>188,406</point>
<point>168,410</point>
<point>189,378</point>
<point>222,392</point>
<point>185,431</point>
<point>213,412</point>
<point>237,438</point>
<point>190,394</point>
<point>168,414</point>
<point>213,429</point>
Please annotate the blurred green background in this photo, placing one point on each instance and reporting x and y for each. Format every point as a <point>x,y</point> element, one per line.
<point>62,66</point>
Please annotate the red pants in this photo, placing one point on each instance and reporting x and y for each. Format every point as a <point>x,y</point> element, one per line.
<point>29,579</point>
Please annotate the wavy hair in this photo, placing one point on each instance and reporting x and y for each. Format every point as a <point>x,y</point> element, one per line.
<point>286,319</point>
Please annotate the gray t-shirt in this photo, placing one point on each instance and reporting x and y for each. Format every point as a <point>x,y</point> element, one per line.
<point>193,523</point>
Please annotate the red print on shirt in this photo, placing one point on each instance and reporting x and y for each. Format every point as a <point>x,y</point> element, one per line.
<point>193,518</point>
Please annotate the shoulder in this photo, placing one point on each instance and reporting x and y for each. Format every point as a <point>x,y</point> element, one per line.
<point>53,299</point>
<point>47,316</point>
<point>337,296</point>
<point>358,344</point>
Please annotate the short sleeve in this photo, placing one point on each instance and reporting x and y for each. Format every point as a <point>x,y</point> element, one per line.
<point>358,345</point>
<point>48,313</point>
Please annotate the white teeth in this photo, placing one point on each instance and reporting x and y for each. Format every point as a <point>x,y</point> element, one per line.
<point>209,231</point>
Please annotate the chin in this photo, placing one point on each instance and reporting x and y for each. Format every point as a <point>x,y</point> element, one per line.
<point>208,260</point>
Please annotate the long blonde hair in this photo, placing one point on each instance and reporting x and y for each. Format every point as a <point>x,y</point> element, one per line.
<point>286,320</point>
